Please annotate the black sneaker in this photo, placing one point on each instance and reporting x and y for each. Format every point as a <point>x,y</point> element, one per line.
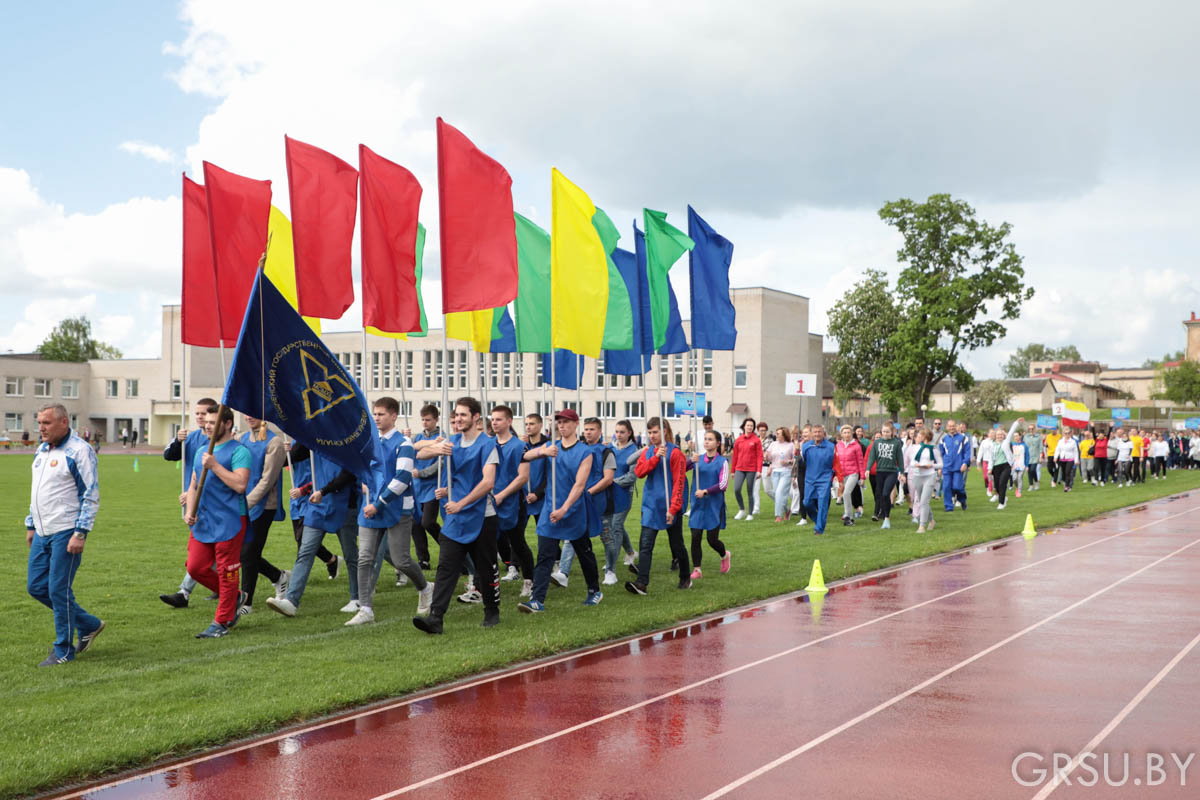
<point>430,624</point>
<point>491,617</point>
<point>674,565</point>
<point>86,639</point>
<point>424,565</point>
<point>332,567</point>
<point>177,600</point>
<point>633,587</point>
<point>241,601</point>
<point>686,583</point>
<point>633,568</point>
<point>52,660</point>
<point>213,631</point>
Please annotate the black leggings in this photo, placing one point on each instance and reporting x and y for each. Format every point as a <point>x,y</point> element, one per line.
<point>425,527</point>
<point>1159,466</point>
<point>323,553</point>
<point>714,541</point>
<point>252,561</point>
<point>1000,475</point>
<point>1066,473</point>
<point>518,548</point>
<point>883,483</point>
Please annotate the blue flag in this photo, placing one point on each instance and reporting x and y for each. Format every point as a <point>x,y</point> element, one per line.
<point>282,373</point>
<point>507,341</point>
<point>676,341</point>
<point>568,368</point>
<point>633,362</point>
<point>713,316</point>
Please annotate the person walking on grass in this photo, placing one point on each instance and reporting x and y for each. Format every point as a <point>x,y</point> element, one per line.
<point>954,453</point>
<point>797,503</point>
<point>625,452</point>
<point>1002,459</point>
<point>598,494</point>
<point>820,460</point>
<point>766,437</point>
<point>708,508</point>
<point>1100,460</point>
<point>183,448</point>
<point>1020,461</point>
<point>387,514</point>
<point>264,497</point>
<point>1159,451</point>
<point>852,466</point>
<point>987,448</point>
<point>781,454</point>
<point>923,478</point>
<point>662,503</point>
<point>425,482</point>
<point>512,479</point>
<point>218,521</point>
<point>1066,456</point>
<point>887,456</point>
<point>747,460</point>
<point>1051,443</point>
<point>1032,440</point>
<point>63,501</point>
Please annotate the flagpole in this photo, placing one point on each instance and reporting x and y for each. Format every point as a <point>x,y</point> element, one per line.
<point>645,395</point>
<point>521,380</point>
<point>447,414</point>
<point>483,382</point>
<point>604,416</point>
<point>400,365</point>
<point>365,366</point>
<point>662,433</point>
<point>183,409</point>
<point>553,407</point>
<point>695,403</point>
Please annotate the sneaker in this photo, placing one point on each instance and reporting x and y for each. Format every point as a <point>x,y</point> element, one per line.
<point>244,610</point>
<point>424,565</point>
<point>177,600</point>
<point>558,579</point>
<point>425,600</point>
<point>779,519</point>
<point>858,513</point>
<point>334,567</point>
<point>431,625</point>
<point>53,660</point>
<point>696,574</point>
<point>1066,490</point>
<point>351,607</point>
<point>845,522</point>
<point>281,605</point>
<point>633,587</point>
<point>593,598</point>
<point>470,596</point>
<point>610,578</point>
<point>686,583</point>
<point>726,560</point>
<point>531,607</point>
<point>740,515</point>
<point>992,498</point>
<point>886,526</point>
<point>511,575</point>
<point>749,518</point>
<point>214,631</point>
<point>1001,506</point>
<point>630,558</point>
<point>801,522</point>
<point>86,639</point>
<point>1018,492</point>
<point>401,579</point>
<point>674,565</point>
<point>361,617</point>
<point>527,588</point>
<point>491,618</point>
<point>633,568</point>
<point>281,586</point>
<point>920,529</point>
<point>1051,484</point>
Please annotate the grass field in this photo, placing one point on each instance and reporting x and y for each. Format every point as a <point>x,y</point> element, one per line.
<point>149,690</point>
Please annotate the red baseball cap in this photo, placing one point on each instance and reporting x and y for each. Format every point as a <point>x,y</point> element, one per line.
<point>567,413</point>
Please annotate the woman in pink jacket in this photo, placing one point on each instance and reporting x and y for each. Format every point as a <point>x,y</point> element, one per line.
<point>852,466</point>
<point>747,461</point>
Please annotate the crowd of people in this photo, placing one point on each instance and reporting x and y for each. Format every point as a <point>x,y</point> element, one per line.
<point>473,490</point>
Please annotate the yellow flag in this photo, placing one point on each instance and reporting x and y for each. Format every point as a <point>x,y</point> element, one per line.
<point>471,326</point>
<point>281,262</point>
<point>371,329</point>
<point>578,270</point>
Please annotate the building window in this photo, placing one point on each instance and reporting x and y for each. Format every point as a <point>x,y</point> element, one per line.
<point>606,410</point>
<point>664,366</point>
<point>546,410</point>
<point>14,387</point>
<point>509,358</point>
<point>708,369</point>
<point>375,377</point>
<point>131,387</point>
<point>463,380</point>
<point>427,370</point>
<point>540,379</point>
<point>176,390</point>
<point>668,408</point>
<point>41,387</point>
<point>573,405</point>
<point>677,368</point>
<point>600,372</point>
<point>70,389</point>
<point>739,377</point>
<point>110,388</point>
<point>518,412</point>
<point>635,409</point>
<point>75,421</point>
<point>406,408</point>
<point>385,370</point>
<point>404,363</point>
<point>12,422</point>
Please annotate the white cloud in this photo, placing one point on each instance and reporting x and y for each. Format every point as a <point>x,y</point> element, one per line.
<point>154,152</point>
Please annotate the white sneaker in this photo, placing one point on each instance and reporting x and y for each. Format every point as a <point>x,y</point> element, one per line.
<point>425,600</point>
<point>281,587</point>
<point>802,521</point>
<point>363,616</point>
<point>339,569</point>
<point>470,596</point>
<point>992,498</point>
<point>401,579</point>
<point>629,559</point>
<point>511,575</point>
<point>740,515</point>
<point>244,610</point>
<point>351,607</point>
<point>1051,484</point>
<point>282,605</point>
<point>749,518</point>
<point>527,588</point>
<point>559,578</point>
<point>610,577</point>
<point>1000,507</point>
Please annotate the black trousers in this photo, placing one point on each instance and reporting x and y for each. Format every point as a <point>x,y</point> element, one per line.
<point>678,551</point>
<point>1052,468</point>
<point>714,541</point>
<point>252,561</point>
<point>425,527</point>
<point>451,557</point>
<point>1000,475</point>
<point>1031,472</point>
<point>1066,473</point>
<point>323,553</point>
<point>514,540</point>
<point>883,483</point>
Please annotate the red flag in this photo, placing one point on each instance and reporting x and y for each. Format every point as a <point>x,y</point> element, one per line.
<point>201,325</point>
<point>324,194</point>
<point>478,233</point>
<point>238,212</point>
<point>391,200</point>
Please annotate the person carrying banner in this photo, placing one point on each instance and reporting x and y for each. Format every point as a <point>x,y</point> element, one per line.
<point>625,452</point>
<point>184,447</point>
<point>264,497</point>
<point>512,477</point>
<point>662,504</point>
<point>708,507</point>
<point>425,479</point>
<point>599,495</point>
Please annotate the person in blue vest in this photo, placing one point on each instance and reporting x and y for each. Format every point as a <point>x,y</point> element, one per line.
<point>425,483</point>
<point>955,452</point>
<point>512,476</point>
<point>332,508</point>
<point>217,518</point>
<point>662,504</point>
<point>819,456</point>
<point>565,518</point>
<point>708,507</point>
<point>599,496</point>
<point>301,469</point>
<point>470,525</point>
<point>264,497</point>
<point>624,451</point>
<point>184,447</point>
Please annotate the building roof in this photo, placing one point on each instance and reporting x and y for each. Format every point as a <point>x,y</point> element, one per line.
<point>1076,366</point>
<point>1018,385</point>
<point>1056,376</point>
<point>737,408</point>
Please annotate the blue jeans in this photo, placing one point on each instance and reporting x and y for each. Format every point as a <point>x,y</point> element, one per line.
<point>611,537</point>
<point>618,526</point>
<point>568,552</point>
<point>51,572</point>
<point>310,542</point>
<point>782,483</point>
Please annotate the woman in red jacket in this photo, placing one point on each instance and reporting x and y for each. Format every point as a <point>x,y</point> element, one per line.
<point>852,467</point>
<point>747,461</point>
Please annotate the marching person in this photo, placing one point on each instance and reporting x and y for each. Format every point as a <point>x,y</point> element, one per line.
<point>625,451</point>
<point>708,507</point>
<point>185,446</point>
<point>265,501</point>
<point>955,452</point>
<point>747,461</point>
<point>512,476</point>
<point>853,469</point>
<point>923,468</point>
<point>598,492</point>
<point>64,498</point>
<point>662,504</point>
<point>820,459</point>
<point>425,481</point>
<point>887,456</point>
<point>218,520</point>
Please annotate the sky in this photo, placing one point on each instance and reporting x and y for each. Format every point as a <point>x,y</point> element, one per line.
<point>787,125</point>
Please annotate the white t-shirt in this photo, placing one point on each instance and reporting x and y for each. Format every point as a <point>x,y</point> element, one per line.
<point>1124,450</point>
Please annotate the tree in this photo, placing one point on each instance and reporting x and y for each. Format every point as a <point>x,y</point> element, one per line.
<point>1018,362</point>
<point>72,340</point>
<point>961,280</point>
<point>862,322</point>
<point>1181,385</point>
<point>1155,363</point>
<point>986,400</point>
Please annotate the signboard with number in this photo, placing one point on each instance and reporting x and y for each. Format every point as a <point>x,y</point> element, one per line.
<point>686,403</point>
<point>800,384</point>
<point>1057,409</point>
<point>1120,413</point>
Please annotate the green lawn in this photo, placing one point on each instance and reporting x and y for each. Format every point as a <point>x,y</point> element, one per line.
<point>149,690</point>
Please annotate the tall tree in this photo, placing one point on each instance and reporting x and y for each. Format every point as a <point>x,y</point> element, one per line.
<point>71,340</point>
<point>862,321</point>
<point>985,401</point>
<point>962,279</point>
<point>1181,384</point>
<point>1018,363</point>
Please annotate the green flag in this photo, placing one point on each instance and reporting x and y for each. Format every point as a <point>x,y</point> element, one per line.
<point>420,268</point>
<point>533,287</point>
<point>618,323</point>
<point>664,245</point>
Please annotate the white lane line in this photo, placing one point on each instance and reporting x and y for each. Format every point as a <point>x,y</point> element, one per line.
<point>256,742</point>
<point>1090,747</point>
<point>809,745</point>
<point>766,659</point>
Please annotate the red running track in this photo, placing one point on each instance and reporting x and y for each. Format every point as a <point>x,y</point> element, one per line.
<point>928,681</point>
